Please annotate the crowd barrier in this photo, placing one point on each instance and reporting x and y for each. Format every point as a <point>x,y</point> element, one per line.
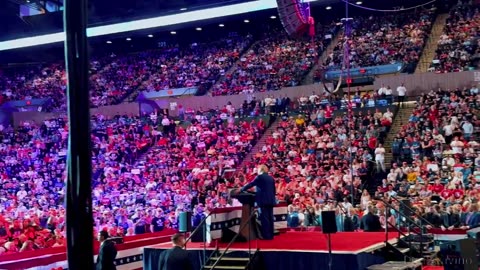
<point>129,255</point>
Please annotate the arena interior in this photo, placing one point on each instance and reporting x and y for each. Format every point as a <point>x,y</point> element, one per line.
<point>368,110</point>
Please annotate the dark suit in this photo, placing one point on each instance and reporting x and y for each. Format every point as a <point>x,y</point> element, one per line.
<point>370,223</point>
<point>175,259</point>
<point>265,199</point>
<point>106,256</point>
<point>472,220</point>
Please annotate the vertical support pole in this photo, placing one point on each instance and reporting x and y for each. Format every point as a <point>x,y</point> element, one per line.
<point>78,196</point>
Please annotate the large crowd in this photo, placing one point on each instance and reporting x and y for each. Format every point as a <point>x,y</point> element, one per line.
<point>458,45</point>
<point>274,62</point>
<point>113,78</point>
<point>148,169</point>
<point>145,170</point>
<point>381,40</point>
<point>435,165</point>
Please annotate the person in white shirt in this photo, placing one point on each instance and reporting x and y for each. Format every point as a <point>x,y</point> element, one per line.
<point>474,90</point>
<point>380,157</point>
<point>401,91</point>
<point>467,130</point>
<point>448,131</point>
<point>166,124</point>
<point>388,94</point>
<point>457,146</point>
<point>382,90</point>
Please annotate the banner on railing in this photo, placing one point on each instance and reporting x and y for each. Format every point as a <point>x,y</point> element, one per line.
<point>168,93</point>
<point>230,218</point>
<point>365,71</point>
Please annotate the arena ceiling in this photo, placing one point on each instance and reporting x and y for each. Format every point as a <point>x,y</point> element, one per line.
<point>14,25</point>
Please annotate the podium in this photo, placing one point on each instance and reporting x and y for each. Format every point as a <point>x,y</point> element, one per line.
<point>249,232</point>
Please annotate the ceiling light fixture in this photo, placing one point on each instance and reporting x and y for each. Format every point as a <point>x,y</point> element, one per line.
<point>246,21</point>
<point>128,39</point>
<point>221,25</point>
<point>359,2</point>
<point>273,17</point>
<point>173,33</point>
<point>183,9</point>
<point>328,8</point>
<point>109,42</point>
<point>150,35</point>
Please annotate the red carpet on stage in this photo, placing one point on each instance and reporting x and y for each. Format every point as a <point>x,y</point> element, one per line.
<point>313,241</point>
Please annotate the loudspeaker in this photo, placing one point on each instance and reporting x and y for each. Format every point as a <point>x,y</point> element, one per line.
<point>185,222</point>
<point>459,255</point>
<point>329,223</point>
<point>291,13</point>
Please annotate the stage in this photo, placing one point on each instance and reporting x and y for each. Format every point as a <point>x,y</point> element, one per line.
<point>295,250</point>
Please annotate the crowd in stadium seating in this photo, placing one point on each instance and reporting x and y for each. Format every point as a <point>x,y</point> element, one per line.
<point>33,173</point>
<point>133,192</point>
<point>309,155</point>
<point>148,169</point>
<point>381,40</point>
<point>458,45</point>
<point>435,164</point>
<point>199,64</point>
<point>437,161</point>
<point>274,62</point>
<point>113,78</point>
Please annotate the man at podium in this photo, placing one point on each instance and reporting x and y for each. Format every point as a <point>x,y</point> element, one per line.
<point>264,199</point>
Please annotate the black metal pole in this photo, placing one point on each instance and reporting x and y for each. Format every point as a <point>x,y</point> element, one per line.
<point>329,251</point>
<point>78,196</point>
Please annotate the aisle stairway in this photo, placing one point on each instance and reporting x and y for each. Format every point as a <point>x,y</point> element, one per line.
<point>309,78</point>
<point>432,44</point>
<point>401,118</point>
<point>261,142</point>
<point>234,66</point>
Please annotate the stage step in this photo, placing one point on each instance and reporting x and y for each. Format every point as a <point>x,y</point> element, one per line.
<point>415,265</point>
<point>229,259</point>
<point>225,267</point>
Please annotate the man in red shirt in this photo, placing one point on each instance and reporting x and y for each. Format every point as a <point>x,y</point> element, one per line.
<point>437,187</point>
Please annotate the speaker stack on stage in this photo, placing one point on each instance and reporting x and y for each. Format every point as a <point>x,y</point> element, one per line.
<point>329,226</point>
<point>294,16</point>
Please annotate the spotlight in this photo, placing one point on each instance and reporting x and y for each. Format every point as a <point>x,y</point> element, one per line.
<point>198,29</point>
<point>328,8</point>
<point>150,35</point>
<point>359,2</point>
<point>128,39</point>
<point>109,42</point>
<point>221,25</point>
<point>246,21</point>
<point>183,9</point>
<point>173,33</point>
<point>273,17</point>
